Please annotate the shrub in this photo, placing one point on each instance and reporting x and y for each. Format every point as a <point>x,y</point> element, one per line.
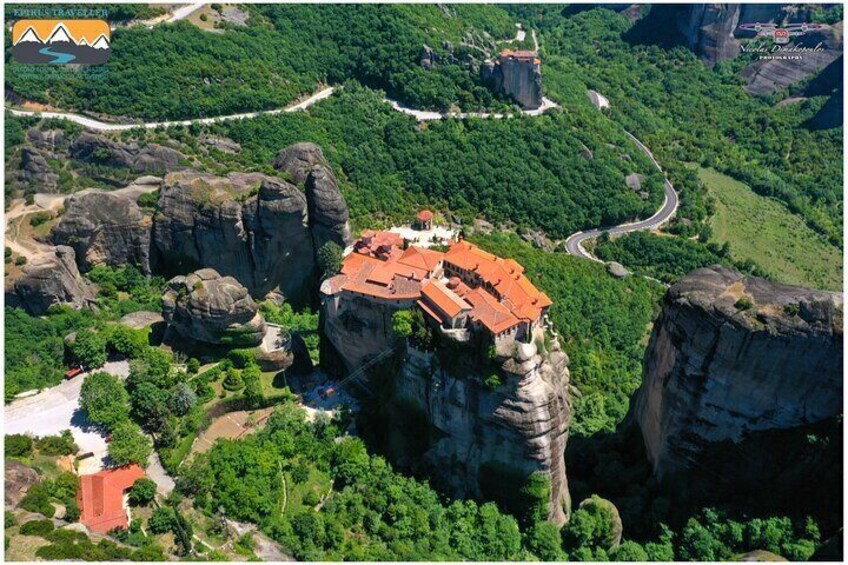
<point>18,445</point>
<point>62,444</point>
<point>37,528</point>
<point>142,492</point>
<point>242,358</point>
<point>37,499</point>
<point>40,218</point>
<point>192,366</point>
<point>402,324</point>
<point>744,303</point>
<point>20,261</point>
<point>233,380</point>
<point>493,381</point>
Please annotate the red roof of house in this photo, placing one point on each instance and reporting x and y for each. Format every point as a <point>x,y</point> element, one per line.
<point>521,55</point>
<point>425,215</point>
<point>101,497</point>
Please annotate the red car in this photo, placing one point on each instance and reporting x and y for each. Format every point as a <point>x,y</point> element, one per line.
<point>73,372</point>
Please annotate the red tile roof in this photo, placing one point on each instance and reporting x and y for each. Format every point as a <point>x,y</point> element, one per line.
<point>425,215</point>
<point>521,55</point>
<point>101,497</point>
<point>436,293</point>
<point>506,276</point>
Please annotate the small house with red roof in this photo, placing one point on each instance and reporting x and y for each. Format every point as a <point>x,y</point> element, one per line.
<point>424,220</point>
<point>101,498</point>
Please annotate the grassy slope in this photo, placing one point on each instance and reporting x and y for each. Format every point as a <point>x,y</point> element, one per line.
<point>763,230</point>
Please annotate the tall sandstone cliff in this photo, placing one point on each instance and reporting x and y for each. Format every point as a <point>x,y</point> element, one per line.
<point>260,229</point>
<point>739,374</point>
<point>474,441</point>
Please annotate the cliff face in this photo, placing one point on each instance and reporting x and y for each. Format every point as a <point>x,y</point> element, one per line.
<point>104,228</point>
<point>733,364</point>
<point>518,78</point>
<point>474,441</point>
<point>52,278</point>
<point>481,438</point>
<point>248,225</point>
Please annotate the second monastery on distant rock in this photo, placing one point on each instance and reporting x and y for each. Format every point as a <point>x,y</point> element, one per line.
<point>461,290</point>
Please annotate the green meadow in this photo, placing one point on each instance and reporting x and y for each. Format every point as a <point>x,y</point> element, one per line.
<point>763,230</point>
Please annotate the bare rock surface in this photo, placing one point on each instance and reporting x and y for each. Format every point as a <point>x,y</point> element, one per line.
<point>771,75</point>
<point>104,228</point>
<point>205,306</point>
<point>99,149</point>
<point>328,215</point>
<point>299,159</point>
<point>34,171</point>
<point>18,479</point>
<point>732,358</point>
<point>52,278</point>
<point>483,438</point>
<point>251,226</point>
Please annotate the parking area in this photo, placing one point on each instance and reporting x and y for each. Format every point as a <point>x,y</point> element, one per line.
<point>56,409</point>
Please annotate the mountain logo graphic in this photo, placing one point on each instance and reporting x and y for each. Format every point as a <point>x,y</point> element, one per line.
<point>61,42</point>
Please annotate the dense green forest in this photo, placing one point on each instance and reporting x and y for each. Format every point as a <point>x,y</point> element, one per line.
<point>175,71</point>
<point>687,112</point>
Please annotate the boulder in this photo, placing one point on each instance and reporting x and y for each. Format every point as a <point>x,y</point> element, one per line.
<point>19,478</point>
<point>617,270</point>
<point>207,307</point>
<point>634,181</point>
<point>48,139</point>
<point>251,226</point>
<point>52,278</point>
<point>105,228</point>
<point>101,150</point>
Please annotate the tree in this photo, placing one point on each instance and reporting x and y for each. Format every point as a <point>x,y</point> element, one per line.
<point>127,341</point>
<point>149,405</point>
<point>329,258</point>
<point>192,366</point>
<point>402,324</point>
<point>89,348</point>
<point>252,386</point>
<point>544,540</point>
<point>104,399</point>
<point>182,399</point>
<point>142,492</point>
<point>233,380</point>
<point>129,445</point>
<point>162,520</point>
<point>629,551</point>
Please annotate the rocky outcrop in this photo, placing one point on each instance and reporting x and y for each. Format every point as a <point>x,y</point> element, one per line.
<point>708,29</point>
<point>104,228</point>
<point>93,148</point>
<point>52,278</point>
<point>517,77</point>
<point>36,172</point>
<point>328,215</point>
<point>329,219</point>
<point>19,478</point>
<point>299,159</point>
<point>251,226</point>
<point>734,366</point>
<point>481,439</point>
<point>472,438</point>
<point>205,306</point>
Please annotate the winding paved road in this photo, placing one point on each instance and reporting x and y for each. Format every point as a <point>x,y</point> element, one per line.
<point>97,125</point>
<point>574,244</point>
